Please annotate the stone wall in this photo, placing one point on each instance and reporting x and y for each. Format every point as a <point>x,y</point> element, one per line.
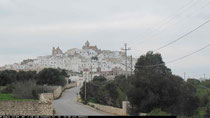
<point>67,86</point>
<point>48,96</point>
<point>25,108</point>
<point>113,110</point>
<point>57,92</point>
<point>108,109</point>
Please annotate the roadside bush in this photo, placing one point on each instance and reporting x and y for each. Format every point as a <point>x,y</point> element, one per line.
<point>8,89</point>
<point>23,90</point>
<point>41,89</point>
<point>37,91</point>
<point>158,112</point>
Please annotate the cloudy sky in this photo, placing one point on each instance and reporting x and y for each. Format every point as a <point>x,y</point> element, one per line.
<point>30,28</point>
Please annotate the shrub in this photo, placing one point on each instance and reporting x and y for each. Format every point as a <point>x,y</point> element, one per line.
<point>23,90</point>
<point>52,76</point>
<point>8,89</point>
<point>158,112</point>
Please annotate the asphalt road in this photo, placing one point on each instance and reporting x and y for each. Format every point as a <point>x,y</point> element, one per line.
<point>68,105</point>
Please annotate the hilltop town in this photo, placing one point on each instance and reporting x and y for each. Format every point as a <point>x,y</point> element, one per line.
<point>87,59</point>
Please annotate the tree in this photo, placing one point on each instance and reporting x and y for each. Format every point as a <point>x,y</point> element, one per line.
<point>156,87</point>
<point>26,75</point>
<point>99,79</point>
<point>112,93</point>
<point>194,82</point>
<point>51,76</point>
<point>92,92</point>
<point>145,61</point>
<point>7,77</point>
<point>206,83</point>
<point>123,83</point>
<point>101,92</point>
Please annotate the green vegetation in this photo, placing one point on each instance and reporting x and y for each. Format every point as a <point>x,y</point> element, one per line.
<point>51,76</point>
<point>203,93</point>
<point>158,112</point>
<point>103,92</point>
<point>26,84</point>
<point>5,97</point>
<point>47,76</point>
<point>156,87</point>
<point>153,90</point>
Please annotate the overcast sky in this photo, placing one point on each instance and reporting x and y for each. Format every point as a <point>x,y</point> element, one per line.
<point>30,28</point>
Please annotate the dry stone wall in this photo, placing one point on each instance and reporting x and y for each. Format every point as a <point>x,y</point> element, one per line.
<point>113,110</point>
<point>25,108</point>
<point>57,92</point>
<point>48,96</point>
<point>108,109</point>
<point>67,86</point>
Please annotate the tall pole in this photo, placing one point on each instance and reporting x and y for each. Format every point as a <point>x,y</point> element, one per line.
<point>204,76</point>
<point>126,59</point>
<point>85,87</point>
<point>91,72</point>
<point>184,75</point>
<point>131,64</point>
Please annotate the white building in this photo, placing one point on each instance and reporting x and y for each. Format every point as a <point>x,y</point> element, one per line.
<point>77,60</point>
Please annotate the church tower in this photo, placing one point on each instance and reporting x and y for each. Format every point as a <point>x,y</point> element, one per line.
<point>87,45</point>
<point>56,51</point>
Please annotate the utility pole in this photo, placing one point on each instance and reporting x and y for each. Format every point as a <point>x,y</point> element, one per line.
<point>131,64</point>
<point>91,72</point>
<point>184,75</point>
<point>85,86</point>
<point>126,59</point>
<point>204,76</point>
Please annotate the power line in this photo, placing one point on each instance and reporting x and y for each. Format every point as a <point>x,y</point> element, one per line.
<point>183,36</point>
<point>161,31</point>
<point>176,59</point>
<point>189,54</point>
<point>168,20</point>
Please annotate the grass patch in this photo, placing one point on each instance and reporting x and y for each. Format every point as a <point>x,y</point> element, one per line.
<point>6,97</point>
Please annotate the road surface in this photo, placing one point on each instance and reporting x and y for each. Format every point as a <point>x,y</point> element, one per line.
<point>68,105</point>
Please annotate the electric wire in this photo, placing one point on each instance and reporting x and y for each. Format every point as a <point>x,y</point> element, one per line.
<point>168,20</point>
<point>175,59</point>
<point>183,36</point>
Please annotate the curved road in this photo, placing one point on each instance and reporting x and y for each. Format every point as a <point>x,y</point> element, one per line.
<point>68,105</point>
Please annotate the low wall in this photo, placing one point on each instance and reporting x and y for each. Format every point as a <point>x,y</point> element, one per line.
<point>108,109</point>
<point>57,92</point>
<point>2,88</point>
<point>113,110</point>
<point>73,84</point>
<point>25,108</point>
<point>48,96</point>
